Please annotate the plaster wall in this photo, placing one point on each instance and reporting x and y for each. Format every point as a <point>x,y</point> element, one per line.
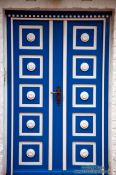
<point>60,5</point>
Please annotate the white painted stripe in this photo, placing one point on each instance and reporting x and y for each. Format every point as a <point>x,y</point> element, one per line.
<point>50,95</point>
<point>60,19</point>
<point>64,93</point>
<point>5,93</point>
<point>12,98</point>
<point>103,74</point>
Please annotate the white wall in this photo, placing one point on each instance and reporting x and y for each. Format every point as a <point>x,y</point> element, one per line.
<point>61,4</point>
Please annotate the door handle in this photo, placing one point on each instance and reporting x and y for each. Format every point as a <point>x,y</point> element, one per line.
<point>58,94</point>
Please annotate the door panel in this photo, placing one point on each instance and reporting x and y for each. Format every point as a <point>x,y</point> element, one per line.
<point>84,92</point>
<point>30,89</point>
<point>57,92</point>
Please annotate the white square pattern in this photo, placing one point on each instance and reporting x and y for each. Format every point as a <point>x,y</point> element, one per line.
<point>21,152</point>
<point>75,28</point>
<point>39,115</point>
<point>21,27</point>
<point>74,115</point>
<point>75,57</point>
<point>74,162</point>
<point>21,66</point>
<point>74,104</point>
<point>40,103</point>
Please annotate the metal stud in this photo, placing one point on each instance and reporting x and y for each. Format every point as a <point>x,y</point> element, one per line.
<point>30,124</point>
<point>84,95</point>
<point>30,95</point>
<point>84,153</point>
<point>30,37</point>
<point>31,66</point>
<point>30,153</point>
<point>85,37</point>
<point>84,67</point>
<point>84,124</point>
<point>13,15</point>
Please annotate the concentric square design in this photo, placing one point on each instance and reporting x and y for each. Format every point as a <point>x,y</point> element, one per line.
<point>78,43</point>
<point>77,130</point>
<point>84,74</point>
<point>78,90</point>
<point>25,31</point>
<point>37,118</point>
<point>37,89</point>
<point>77,159</point>
<point>38,149</point>
<point>24,60</point>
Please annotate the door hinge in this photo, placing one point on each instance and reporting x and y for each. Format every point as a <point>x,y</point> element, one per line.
<point>4,75</point>
<point>103,169</point>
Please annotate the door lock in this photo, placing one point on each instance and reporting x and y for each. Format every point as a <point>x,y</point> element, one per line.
<point>58,94</point>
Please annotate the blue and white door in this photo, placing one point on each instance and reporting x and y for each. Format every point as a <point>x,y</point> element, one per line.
<point>57,91</point>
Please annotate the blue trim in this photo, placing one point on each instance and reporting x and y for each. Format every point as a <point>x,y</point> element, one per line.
<point>57,81</point>
<point>106,82</point>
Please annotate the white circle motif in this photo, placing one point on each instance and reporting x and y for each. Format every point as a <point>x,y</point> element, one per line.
<point>84,153</point>
<point>84,37</point>
<point>31,66</point>
<point>84,95</point>
<point>84,124</point>
<point>84,67</point>
<point>30,124</point>
<point>30,153</point>
<point>30,95</point>
<point>30,37</point>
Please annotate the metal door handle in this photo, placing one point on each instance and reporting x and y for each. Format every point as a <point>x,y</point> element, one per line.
<point>58,94</point>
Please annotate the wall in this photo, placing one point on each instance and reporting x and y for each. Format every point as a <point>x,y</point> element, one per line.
<point>61,4</point>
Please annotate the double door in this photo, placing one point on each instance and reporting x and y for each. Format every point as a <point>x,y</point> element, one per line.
<point>57,93</point>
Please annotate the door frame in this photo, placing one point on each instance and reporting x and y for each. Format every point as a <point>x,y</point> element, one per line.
<point>109,83</point>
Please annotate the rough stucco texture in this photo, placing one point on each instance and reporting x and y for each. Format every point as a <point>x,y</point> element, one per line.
<point>60,4</point>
